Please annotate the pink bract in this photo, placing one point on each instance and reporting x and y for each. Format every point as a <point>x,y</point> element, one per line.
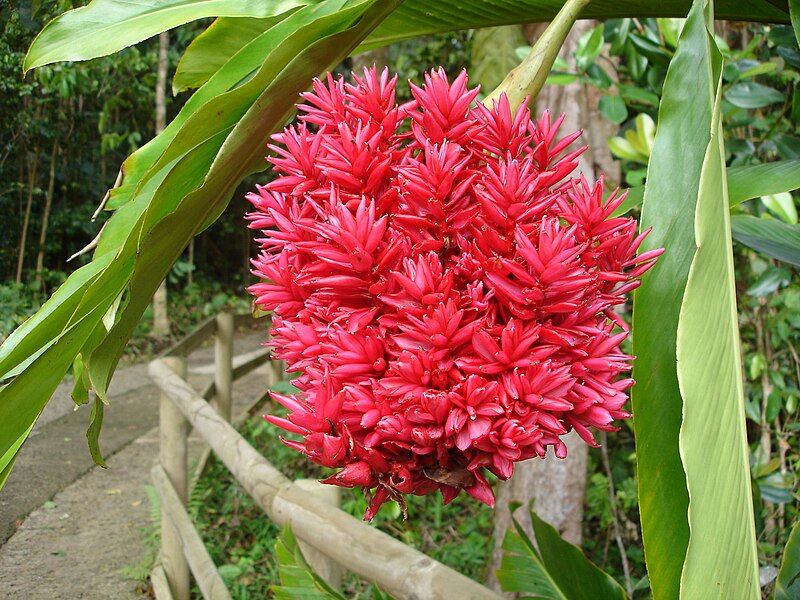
<point>442,283</point>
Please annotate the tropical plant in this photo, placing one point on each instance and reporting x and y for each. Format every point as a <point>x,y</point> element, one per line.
<point>248,67</point>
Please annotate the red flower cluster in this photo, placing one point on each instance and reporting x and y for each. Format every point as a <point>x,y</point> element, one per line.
<point>445,290</point>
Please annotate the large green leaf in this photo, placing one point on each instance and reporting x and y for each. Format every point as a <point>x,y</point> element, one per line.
<point>673,181</point>
<point>209,51</point>
<point>217,102</point>
<point>721,557</point>
<point>176,190</point>
<point>553,568</point>
<point>22,400</point>
<point>771,237</point>
<point>418,17</point>
<point>240,154</point>
<point>753,181</point>
<point>106,26</point>
<point>745,182</point>
<point>494,54</point>
<point>787,587</point>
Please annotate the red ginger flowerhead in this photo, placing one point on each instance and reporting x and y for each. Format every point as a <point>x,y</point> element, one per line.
<point>444,287</point>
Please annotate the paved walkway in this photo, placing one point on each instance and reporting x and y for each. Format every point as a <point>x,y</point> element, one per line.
<point>86,524</point>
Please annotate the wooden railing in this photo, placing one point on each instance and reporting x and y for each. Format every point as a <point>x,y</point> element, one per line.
<point>326,533</point>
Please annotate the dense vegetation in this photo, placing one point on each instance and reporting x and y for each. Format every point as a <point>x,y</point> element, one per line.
<point>65,129</point>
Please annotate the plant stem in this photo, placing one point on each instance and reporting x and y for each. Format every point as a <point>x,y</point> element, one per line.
<point>612,498</point>
<point>525,81</point>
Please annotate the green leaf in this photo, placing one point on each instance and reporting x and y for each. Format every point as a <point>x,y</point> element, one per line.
<point>670,197</point>
<point>782,206</point>
<point>10,455</point>
<point>759,69</point>
<point>744,183</point>
<point>105,26</point>
<point>753,95</point>
<point>417,17</point>
<point>80,392</point>
<point>623,148</point>
<point>770,237</point>
<point>22,400</point>
<point>93,433</point>
<point>522,570</point>
<point>210,50</point>
<point>589,47</point>
<point>239,155</point>
<point>794,13</point>
<point>494,54</point>
<point>753,181</point>
<point>721,557</point>
<point>770,281</point>
<point>576,575</point>
<point>633,94</point>
<point>787,587</point>
<point>645,133</point>
<point>557,571</point>
<point>613,108</point>
<point>658,55</point>
<point>633,199</point>
<point>297,580</point>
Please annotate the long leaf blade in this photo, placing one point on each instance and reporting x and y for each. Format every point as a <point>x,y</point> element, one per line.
<point>522,571</point>
<point>770,237</point>
<point>105,26</point>
<point>577,577</point>
<point>670,198</point>
<point>417,18</point>
<point>209,51</point>
<point>765,179</point>
<point>745,182</point>
<point>787,587</point>
<point>721,558</point>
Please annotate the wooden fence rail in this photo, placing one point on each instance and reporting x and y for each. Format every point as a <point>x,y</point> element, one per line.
<point>396,568</point>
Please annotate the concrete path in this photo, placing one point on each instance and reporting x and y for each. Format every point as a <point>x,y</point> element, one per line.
<point>86,525</point>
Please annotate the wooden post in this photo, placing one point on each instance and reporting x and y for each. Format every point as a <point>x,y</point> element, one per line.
<point>223,366</point>
<point>160,584</point>
<point>276,371</point>
<point>321,564</point>
<point>173,432</point>
<point>208,579</point>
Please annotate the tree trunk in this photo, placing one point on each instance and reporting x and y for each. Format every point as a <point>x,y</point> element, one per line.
<point>160,315</point>
<point>557,487</point>
<point>23,236</point>
<point>190,273</point>
<point>48,203</point>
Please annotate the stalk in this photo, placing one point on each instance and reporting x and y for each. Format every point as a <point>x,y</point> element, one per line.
<point>525,81</point>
